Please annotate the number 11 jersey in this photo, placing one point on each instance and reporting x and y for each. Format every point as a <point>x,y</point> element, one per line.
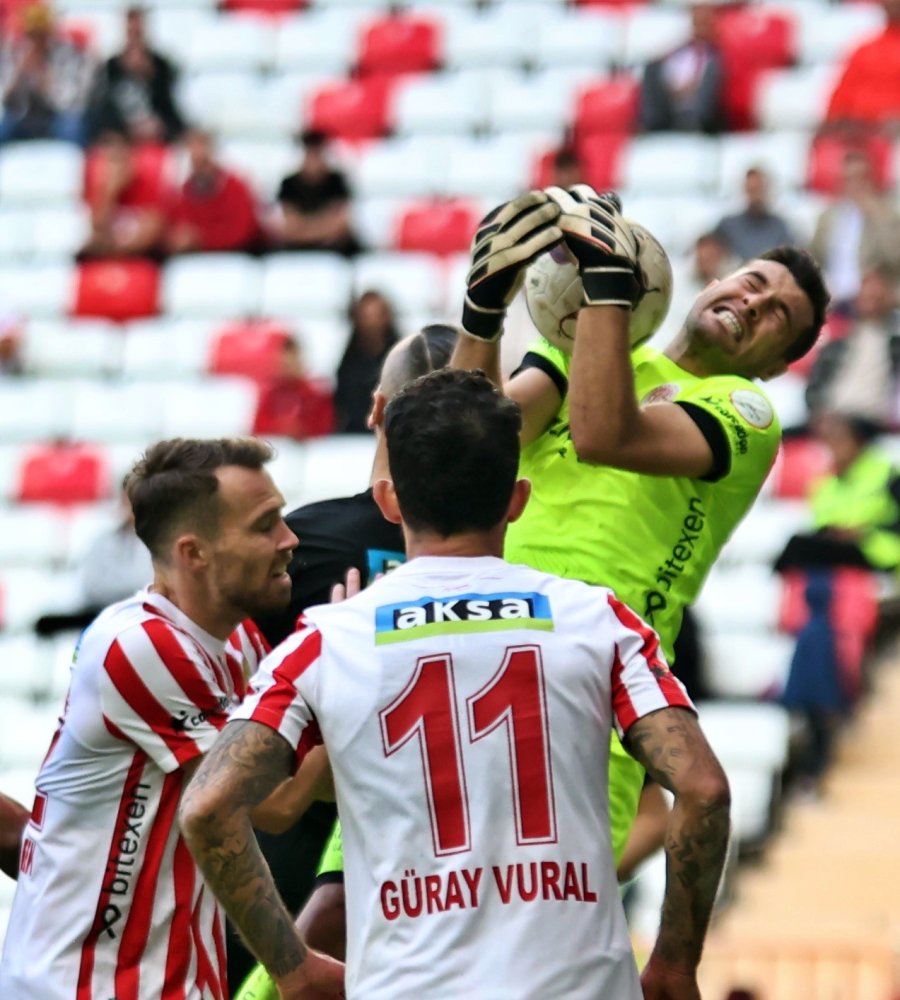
<point>466,705</point>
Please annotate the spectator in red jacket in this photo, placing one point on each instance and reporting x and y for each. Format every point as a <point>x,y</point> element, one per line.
<point>294,404</point>
<point>215,209</point>
<point>868,92</point>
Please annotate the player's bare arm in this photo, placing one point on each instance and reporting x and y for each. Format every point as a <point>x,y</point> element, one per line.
<point>312,782</point>
<point>13,819</point>
<point>671,746</point>
<point>608,425</point>
<point>244,766</point>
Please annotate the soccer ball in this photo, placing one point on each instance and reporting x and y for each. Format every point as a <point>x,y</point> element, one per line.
<point>553,292</point>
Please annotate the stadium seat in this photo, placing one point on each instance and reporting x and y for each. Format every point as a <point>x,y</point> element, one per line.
<point>747,665</point>
<point>25,594</point>
<point>446,102</point>
<point>592,39</point>
<point>164,348</point>
<point>42,172</point>
<point>32,535</point>
<point>801,461</point>
<point>262,162</point>
<point>72,349</point>
<point>491,38</point>
<point>826,159</point>
<point>108,412</point>
<point>25,662</point>
<point>38,291</point>
<point>609,105</point>
<point>323,342</point>
<point>793,98</point>
<point>781,154</point>
<point>603,157</point>
<point>494,167</point>
<point>440,227</point>
<point>653,30</point>
<point>42,236</point>
<point>322,40</point>
<point>375,221</point>
<point>670,164</point>
<point>26,734</point>
<point>232,43</point>
<point>219,407</point>
<point>412,282</point>
<point>351,109</point>
<point>214,286</point>
<point>35,410</point>
<point>63,474</point>
<point>201,96</point>
<point>337,466</point>
<point>724,604</point>
<point>527,101</point>
<point>300,285</point>
<point>251,348</point>
<point>788,396</point>
<point>413,167</point>
<point>268,8</point>
<point>152,165</point>
<point>676,221</point>
<point>403,42</point>
<point>117,289</point>
<point>830,33</point>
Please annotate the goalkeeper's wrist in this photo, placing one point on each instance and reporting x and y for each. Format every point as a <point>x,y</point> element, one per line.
<point>481,323</point>
<point>612,283</point>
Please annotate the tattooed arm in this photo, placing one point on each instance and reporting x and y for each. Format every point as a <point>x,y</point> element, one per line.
<point>244,765</point>
<point>672,747</point>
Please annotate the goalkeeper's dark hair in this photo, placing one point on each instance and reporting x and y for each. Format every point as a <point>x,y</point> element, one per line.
<point>173,487</point>
<point>806,272</point>
<point>453,451</point>
<point>423,352</point>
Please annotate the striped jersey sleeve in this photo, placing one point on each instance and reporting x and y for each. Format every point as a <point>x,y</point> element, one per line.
<point>275,697</point>
<point>245,650</point>
<point>641,679</point>
<point>162,692</point>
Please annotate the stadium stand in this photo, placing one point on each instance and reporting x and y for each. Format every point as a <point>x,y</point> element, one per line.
<point>458,104</point>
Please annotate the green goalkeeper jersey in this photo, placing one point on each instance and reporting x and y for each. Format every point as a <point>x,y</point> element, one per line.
<point>652,539</point>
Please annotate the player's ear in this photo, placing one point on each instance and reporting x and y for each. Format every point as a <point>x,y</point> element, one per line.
<point>376,414</point>
<point>386,497</point>
<point>519,500</point>
<point>190,552</point>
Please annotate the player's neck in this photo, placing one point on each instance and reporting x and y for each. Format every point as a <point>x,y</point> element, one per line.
<point>198,605</point>
<point>465,545</point>
<point>680,353</point>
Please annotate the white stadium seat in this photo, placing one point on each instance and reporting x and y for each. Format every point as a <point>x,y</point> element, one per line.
<point>739,599</point>
<point>42,235</point>
<point>287,469</point>
<point>117,411</point>
<point>829,34</point>
<point>10,472</point>
<point>542,100</point>
<point>783,155</point>
<point>747,664</point>
<point>323,40</point>
<point>26,733</point>
<point>35,410</point>
<point>219,407</point>
<point>747,734</point>
<point>503,36</point>
<point>262,162</point>
<point>675,220</point>
<point>794,98</point>
<point>232,43</point>
<point>71,349</point>
<point>670,164</point>
<point>337,466</point>
<point>412,282</point>
<point>408,167</point>
<point>166,349</point>
<point>788,396</point>
<point>297,285</point>
<point>375,220</point>
<point>592,38</point>
<point>38,291</point>
<point>32,535</point>
<point>764,531</point>
<point>497,165</point>
<point>440,103</point>
<point>172,30</point>
<point>323,342</point>
<point>213,286</point>
<point>202,93</point>
<point>41,172</point>
<point>653,30</point>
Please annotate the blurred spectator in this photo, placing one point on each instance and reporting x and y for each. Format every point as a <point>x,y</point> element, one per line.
<point>860,372</point>
<point>567,169</point>
<point>114,566</point>
<point>373,333</point>
<point>44,81</point>
<point>214,210</point>
<point>868,92</point>
<point>315,202</point>
<point>294,404</point>
<point>682,91</point>
<point>757,228</point>
<point>134,91</point>
<point>859,232</point>
<point>709,262</point>
<point>10,347</point>
<point>127,209</point>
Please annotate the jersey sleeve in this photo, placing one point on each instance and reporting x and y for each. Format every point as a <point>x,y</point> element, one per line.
<point>280,692</point>
<point>551,361</point>
<point>158,690</point>
<point>641,679</point>
<point>739,424</point>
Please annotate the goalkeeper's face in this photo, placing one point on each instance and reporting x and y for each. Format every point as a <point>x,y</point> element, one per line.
<point>745,323</point>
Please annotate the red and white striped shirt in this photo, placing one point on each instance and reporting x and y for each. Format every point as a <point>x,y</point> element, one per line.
<point>466,705</point>
<point>109,902</point>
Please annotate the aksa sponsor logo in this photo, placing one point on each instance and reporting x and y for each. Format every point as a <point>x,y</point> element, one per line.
<point>465,613</point>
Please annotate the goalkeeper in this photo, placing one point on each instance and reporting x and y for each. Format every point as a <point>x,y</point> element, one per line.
<point>642,463</point>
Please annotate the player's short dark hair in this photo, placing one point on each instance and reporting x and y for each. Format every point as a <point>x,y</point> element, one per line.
<point>419,354</point>
<point>806,272</point>
<point>453,451</point>
<point>173,486</point>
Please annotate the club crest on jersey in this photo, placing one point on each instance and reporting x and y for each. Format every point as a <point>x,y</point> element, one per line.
<point>426,616</point>
<point>662,394</point>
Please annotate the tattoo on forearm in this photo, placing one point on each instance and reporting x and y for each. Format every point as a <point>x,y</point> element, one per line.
<point>671,747</point>
<point>246,763</point>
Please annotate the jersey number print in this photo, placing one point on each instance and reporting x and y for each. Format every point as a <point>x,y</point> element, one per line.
<point>513,699</point>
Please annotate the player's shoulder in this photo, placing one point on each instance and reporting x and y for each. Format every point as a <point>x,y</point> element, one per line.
<point>735,399</point>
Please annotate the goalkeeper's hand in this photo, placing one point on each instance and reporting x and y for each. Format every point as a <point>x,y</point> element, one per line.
<point>507,239</point>
<point>602,242</point>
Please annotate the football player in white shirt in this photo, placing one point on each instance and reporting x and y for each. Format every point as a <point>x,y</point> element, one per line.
<point>109,902</point>
<point>466,707</point>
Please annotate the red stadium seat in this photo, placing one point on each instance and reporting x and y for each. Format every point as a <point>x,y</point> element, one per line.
<point>151,163</point>
<point>608,106</point>
<point>399,44</point>
<point>251,349</point>
<point>826,157</point>
<point>352,109</point>
<point>601,157</point>
<point>63,474</point>
<point>441,227</point>
<point>117,289</point>
<point>799,463</point>
<point>271,8</point>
